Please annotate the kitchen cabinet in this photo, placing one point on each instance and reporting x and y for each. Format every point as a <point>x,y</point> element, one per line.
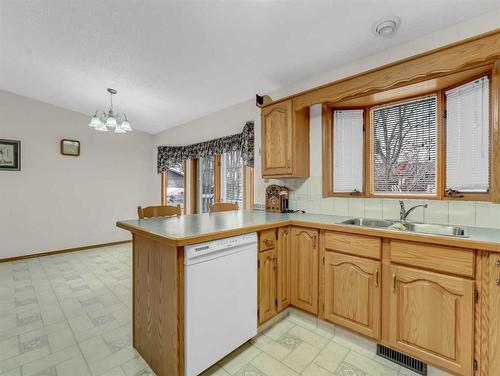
<point>352,295</point>
<point>304,268</point>
<point>432,317</point>
<point>283,274</point>
<point>285,141</point>
<point>267,285</point>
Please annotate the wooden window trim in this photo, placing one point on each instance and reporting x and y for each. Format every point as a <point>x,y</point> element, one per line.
<point>494,170</point>
<point>464,196</point>
<point>163,183</point>
<point>217,182</point>
<point>193,178</point>
<point>248,193</point>
<point>328,165</point>
<point>438,163</point>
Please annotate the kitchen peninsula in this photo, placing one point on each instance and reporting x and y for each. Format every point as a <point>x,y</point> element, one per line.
<point>401,283</point>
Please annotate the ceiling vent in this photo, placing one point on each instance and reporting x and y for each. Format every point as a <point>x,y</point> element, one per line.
<point>386,27</point>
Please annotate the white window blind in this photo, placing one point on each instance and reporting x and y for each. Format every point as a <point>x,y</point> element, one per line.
<point>467,137</point>
<point>404,147</point>
<point>348,151</point>
<point>232,177</point>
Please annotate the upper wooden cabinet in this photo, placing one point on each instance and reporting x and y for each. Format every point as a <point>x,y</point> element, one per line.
<point>304,267</point>
<point>285,141</point>
<point>432,317</point>
<point>352,293</point>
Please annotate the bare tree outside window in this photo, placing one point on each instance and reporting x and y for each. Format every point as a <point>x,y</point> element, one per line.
<point>404,147</point>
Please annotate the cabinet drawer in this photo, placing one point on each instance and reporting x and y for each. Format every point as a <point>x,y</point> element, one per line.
<point>358,245</point>
<point>434,257</point>
<point>267,239</point>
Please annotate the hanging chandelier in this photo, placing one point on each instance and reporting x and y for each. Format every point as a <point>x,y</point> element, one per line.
<point>102,121</point>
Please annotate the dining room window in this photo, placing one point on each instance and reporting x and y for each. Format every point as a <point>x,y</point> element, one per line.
<point>231,176</point>
<point>205,183</point>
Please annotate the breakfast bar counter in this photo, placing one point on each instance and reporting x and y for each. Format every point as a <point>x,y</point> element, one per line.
<point>196,228</point>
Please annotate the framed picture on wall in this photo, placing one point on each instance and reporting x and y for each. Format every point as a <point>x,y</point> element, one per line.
<point>10,155</point>
<point>70,147</point>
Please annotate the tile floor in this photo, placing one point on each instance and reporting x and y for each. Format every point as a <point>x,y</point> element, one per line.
<point>69,315</point>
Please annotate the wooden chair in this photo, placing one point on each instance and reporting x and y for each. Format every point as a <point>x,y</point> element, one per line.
<point>222,206</point>
<point>158,211</point>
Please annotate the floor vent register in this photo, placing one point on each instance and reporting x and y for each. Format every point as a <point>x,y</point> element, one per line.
<point>402,359</point>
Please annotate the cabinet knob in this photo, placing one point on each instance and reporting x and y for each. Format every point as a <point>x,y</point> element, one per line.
<point>376,278</point>
<point>394,277</point>
<point>315,241</point>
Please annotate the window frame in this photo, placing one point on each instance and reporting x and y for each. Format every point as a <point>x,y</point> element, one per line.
<point>368,181</point>
<point>471,196</point>
<point>328,164</point>
<point>190,194</point>
<point>439,146</point>
<point>164,183</point>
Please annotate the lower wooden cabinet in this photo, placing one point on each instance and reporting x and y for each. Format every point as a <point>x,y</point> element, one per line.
<point>432,317</point>
<point>267,285</point>
<point>283,272</point>
<point>304,269</point>
<point>352,296</point>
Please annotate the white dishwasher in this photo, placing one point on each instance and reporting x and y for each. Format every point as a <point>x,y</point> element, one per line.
<point>220,299</point>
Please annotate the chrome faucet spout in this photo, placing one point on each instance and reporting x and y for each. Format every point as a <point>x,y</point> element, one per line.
<point>404,213</point>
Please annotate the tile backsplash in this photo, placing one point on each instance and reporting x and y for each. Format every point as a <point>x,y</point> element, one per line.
<point>306,195</point>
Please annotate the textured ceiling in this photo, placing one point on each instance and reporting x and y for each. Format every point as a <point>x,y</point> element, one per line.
<point>173,61</point>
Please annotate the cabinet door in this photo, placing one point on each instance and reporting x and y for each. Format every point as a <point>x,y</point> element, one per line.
<point>432,318</point>
<point>283,253</point>
<point>267,285</point>
<point>304,266</point>
<point>277,136</point>
<point>352,293</point>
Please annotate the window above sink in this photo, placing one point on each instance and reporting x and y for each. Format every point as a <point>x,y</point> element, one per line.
<point>429,140</point>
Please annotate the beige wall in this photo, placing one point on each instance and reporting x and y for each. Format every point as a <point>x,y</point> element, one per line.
<point>307,192</point>
<point>57,201</point>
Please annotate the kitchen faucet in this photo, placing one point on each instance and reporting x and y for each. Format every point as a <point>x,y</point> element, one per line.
<point>403,214</point>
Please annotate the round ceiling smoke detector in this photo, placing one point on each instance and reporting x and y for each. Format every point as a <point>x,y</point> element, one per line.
<point>386,27</point>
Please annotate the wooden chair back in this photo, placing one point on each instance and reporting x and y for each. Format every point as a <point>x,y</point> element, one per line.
<point>222,206</point>
<point>158,211</point>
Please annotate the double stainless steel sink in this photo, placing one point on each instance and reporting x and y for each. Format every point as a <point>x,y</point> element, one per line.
<point>422,228</point>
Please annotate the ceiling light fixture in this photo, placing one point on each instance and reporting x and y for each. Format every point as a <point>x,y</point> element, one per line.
<point>386,27</point>
<point>101,120</point>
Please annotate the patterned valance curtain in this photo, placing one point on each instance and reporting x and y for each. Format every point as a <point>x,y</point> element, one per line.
<point>168,156</point>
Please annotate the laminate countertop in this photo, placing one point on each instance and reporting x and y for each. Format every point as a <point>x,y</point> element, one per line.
<point>198,228</point>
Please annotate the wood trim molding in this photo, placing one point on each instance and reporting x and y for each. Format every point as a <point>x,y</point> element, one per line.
<point>163,188</point>
<point>193,171</point>
<point>184,182</point>
<point>465,54</point>
<point>217,182</point>
<point>495,135</point>
<point>67,250</point>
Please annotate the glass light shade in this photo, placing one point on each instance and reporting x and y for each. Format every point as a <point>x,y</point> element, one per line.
<point>125,125</point>
<point>101,127</point>
<point>119,129</point>
<point>111,122</point>
<point>95,122</point>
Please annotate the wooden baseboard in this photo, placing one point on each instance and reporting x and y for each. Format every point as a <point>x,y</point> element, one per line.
<point>55,252</point>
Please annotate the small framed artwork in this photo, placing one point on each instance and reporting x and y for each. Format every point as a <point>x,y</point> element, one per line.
<point>10,155</point>
<point>70,147</point>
